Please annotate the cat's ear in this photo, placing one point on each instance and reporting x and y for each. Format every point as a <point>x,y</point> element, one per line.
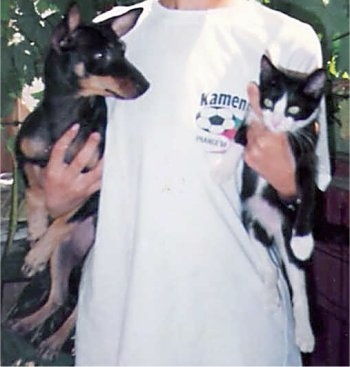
<point>266,64</point>
<point>316,83</point>
<point>267,69</point>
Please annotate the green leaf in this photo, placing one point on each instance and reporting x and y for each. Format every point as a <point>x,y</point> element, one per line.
<point>44,5</point>
<point>5,9</point>
<point>27,7</point>
<point>28,24</point>
<point>343,55</point>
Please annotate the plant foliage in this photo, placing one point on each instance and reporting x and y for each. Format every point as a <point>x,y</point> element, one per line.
<point>26,26</point>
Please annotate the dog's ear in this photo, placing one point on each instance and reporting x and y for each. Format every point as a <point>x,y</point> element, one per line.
<point>73,17</point>
<point>59,37</point>
<point>122,24</point>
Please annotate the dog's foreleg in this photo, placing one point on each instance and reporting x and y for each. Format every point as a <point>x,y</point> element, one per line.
<point>37,214</point>
<point>38,257</point>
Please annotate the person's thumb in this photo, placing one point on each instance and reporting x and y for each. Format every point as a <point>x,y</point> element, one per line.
<point>254,100</point>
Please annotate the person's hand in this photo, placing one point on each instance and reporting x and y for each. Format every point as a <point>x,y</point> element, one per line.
<point>269,153</point>
<point>65,185</point>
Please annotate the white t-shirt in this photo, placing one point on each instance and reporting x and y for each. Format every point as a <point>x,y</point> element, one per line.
<point>172,278</point>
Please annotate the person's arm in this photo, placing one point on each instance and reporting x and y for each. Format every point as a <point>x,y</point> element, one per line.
<point>269,153</point>
<point>65,185</point>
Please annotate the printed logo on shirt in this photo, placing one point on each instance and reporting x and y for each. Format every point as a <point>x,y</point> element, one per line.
<point>217,120</point>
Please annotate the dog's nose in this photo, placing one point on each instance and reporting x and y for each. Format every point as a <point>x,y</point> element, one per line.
<point>142,87</point>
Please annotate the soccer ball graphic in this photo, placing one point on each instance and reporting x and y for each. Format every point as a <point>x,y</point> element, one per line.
<point>215,120</point>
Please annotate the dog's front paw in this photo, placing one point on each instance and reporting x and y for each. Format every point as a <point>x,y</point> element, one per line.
<point>49,348</point>
<point>36,229</point>
<point>29,271</point>
<point>35,261</point>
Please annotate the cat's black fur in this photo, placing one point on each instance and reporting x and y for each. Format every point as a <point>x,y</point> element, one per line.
<point>290,103</point>
<point>305,92</point>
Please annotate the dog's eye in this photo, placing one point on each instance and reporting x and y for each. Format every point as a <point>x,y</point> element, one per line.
<point>98,55</point>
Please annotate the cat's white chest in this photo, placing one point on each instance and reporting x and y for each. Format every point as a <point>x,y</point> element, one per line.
<point>260,209</point>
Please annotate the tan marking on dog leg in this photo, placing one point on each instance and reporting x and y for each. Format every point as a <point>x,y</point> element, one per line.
<point>28,323</point>
<point>62,262</point>
<point>58,232</point>
<point>34,147</point>
<point>37,214</point>
<point>51,346</point>
<point>33,174</point>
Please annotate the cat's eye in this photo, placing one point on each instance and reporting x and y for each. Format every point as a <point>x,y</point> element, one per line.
<point>268,103</point>
<point>293,110</point>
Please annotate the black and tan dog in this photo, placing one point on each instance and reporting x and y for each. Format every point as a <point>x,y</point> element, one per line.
<point>85,63</point>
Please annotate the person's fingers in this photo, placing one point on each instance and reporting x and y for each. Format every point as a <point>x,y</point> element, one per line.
<point>95,187</point>
<point>254,99</point>
<point>93,178</point>
<point>86,154</point>
<point>256,136</point>
<point>59,149</point>
<point>259,139</point>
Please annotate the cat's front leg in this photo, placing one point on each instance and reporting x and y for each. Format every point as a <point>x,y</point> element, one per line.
<point>302,242</point>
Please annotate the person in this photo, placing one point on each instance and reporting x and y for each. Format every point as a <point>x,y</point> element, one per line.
<point>172,278</point>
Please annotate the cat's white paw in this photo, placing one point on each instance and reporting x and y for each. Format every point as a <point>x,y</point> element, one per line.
<point>302,246</point>
<point>304,336</point>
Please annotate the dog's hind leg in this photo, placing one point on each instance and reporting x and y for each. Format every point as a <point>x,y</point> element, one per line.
<point>51,346</point>
<point>82,240</point>
<point>64,258</point>
<point>61,264</point>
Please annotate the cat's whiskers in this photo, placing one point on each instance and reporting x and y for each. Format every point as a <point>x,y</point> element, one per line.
<point>306,143</point>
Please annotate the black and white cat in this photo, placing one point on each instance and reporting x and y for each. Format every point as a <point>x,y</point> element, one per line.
<point>290,103</point>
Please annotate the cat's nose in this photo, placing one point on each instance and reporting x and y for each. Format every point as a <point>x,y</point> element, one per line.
<point>277,123</point>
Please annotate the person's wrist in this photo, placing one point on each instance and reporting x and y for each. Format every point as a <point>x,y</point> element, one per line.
<point>291,202</point>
